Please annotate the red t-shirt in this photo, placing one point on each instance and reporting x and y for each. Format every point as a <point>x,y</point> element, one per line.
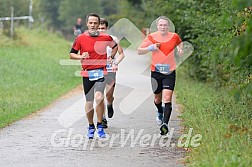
<point>165,54</point>
<point>96,47</point>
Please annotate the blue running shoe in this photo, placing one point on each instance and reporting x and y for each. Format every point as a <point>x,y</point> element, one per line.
<point>160,117</point>
<point>91,131</point>
<point>100,131</point>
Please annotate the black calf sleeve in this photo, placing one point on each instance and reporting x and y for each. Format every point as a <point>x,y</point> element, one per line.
<point>159,107</point>
<point>167,112</point>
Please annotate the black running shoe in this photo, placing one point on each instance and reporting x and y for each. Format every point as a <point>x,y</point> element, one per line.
<point>110,111</point>
<point>104,123</point>
<point>164,129</point>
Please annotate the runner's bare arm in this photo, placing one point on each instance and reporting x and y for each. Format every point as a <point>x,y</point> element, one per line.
<point>180,48</point>
<point>74,55</point>
<point>114,50</point>
<point>118,59</point>
<point>143,50</point>
<point>121,54</point>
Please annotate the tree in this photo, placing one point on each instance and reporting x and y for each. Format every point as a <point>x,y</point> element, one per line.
<point>21,7</point>
<point>49,11</point>
<point>109,7</point>
<point>69,11</point>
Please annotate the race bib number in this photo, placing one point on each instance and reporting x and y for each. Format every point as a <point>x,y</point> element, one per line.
<point>109,67</point>
<point>162,68</point>
<point>95,74</point>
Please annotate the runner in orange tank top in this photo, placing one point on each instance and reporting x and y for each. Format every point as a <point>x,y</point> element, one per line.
<point>162,44</point>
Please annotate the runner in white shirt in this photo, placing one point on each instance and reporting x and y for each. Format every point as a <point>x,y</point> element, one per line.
<point>112,67</point>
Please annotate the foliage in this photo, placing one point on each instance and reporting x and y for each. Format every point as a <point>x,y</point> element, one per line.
<point>224,123</point>
<point>131,10</point>
<point>69,11</point>
<point>21,7</point>
<point>31,76</point>
<point>220,32</point>
<point>48,12</point>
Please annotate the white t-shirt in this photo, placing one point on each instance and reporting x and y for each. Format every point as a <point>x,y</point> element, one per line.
<point>109,50</point>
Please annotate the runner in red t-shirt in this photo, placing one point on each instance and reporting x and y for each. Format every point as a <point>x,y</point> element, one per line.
<point>162,45</point>
<point>92,47</point>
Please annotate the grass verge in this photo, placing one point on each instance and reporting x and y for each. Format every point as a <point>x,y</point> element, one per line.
<point>225,124</point>
<point>31,76</point>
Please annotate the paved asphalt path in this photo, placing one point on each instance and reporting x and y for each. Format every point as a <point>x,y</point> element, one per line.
<point>55,136</point>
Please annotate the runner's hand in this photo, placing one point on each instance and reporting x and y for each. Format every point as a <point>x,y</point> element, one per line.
<point>110,60</point>
<point>114,67</point>
<point>180,52</point>
<point>154,47</point>
<point>84,55</point>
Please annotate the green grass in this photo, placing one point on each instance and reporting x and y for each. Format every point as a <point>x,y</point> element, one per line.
<point>225,124</point>
<point>31,76</point>
<point>124,43</point>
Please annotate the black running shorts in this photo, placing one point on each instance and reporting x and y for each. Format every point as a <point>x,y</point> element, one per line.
<point>160,81</point>
<point>93,86</point>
